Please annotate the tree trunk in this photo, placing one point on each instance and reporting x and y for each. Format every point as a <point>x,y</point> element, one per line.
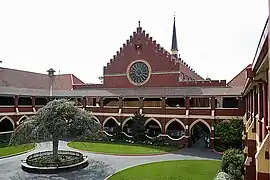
<point>55,149</point>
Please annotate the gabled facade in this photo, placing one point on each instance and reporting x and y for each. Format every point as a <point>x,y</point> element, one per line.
<point>159,68</point>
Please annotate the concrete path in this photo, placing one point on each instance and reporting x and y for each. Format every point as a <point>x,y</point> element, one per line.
<point>100,166</point>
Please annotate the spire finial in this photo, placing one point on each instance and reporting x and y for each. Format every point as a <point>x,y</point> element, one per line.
<point>139,23</point>
<point>174,47</point>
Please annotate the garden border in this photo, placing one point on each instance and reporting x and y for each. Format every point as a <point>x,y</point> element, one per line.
<point>37,145</point>
<point>107,178</point>
<point>112,154</point>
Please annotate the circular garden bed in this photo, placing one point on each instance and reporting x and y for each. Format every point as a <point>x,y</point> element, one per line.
<point>121,149</point>
<point>42,162</point>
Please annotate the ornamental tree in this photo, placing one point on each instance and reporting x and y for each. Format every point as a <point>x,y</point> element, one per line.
<point>56,120</point>
<point>230,132</point>
<point>138,127</point>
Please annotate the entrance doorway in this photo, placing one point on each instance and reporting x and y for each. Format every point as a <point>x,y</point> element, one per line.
<point>200,135</point>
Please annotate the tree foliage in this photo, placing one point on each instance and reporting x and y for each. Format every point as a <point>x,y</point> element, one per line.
<point>233,163</point>
<point>138,127</point>
<point>58,119</point>
<point>230,132</point>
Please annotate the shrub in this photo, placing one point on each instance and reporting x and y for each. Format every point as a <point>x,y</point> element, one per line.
<point>223,176</point>
<point>233,163</point>
<point>229,133</point>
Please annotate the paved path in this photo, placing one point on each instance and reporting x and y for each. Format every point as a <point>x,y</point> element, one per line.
<point>100,166</point>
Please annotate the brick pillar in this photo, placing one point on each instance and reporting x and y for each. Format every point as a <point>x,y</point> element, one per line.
<point>265,109</point>
<point>33,98</point>
<point>251,142</point>
<point>141,102</point>
<point>163,103</point>
<point>120,102</point>
<point>212,136</point>
<point>241,104</point>
<point>187,105</point>
<point>16,101</point>
<point>213,103</point>
<point>84,102</point>
<point>101,102</point>
<point>248,106</point>
<point>260,112</point>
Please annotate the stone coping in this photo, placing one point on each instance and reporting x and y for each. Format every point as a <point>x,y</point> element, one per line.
<point>54,170</point>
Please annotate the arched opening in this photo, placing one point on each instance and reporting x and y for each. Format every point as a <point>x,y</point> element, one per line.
<point>6,124</point>
<point>153,128</point>
<point>23,118</point>
<point>127,127</point>
<point>111,126</point>
<point>200,134</point>
<point>175,129</point>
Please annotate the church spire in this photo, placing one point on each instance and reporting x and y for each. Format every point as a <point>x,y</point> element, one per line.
<point>174,49</point>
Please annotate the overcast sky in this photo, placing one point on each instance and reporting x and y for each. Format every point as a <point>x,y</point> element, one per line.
<point>215,37</point>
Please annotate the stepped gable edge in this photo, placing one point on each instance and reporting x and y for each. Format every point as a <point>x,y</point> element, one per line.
<point>147,49</point>
<point>165,67</point>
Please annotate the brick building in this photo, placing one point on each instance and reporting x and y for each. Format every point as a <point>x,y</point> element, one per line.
<point>141,77</point>
<point>257,114</point>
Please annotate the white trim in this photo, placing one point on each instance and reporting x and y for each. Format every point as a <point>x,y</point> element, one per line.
<point>24,116</point>
<point>125,121</point>
<point>149,70</point>
<point>94,117</point>
<point>127,134</point>
<point>108,118</point>
<point>8,118</point>
<point>159,73</point>
<point>172,120</point>
<point>146,115</point>
<point>199,120</point>
<point>154,119</point>
<point>180,122</point>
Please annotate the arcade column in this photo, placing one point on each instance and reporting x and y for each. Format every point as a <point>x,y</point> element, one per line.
<point>212,137</point>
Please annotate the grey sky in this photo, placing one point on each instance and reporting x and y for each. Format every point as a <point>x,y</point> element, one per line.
<point>218,37</point>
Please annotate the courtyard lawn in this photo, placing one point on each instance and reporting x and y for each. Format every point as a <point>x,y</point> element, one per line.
<point>6,150</point>
<point>121,149</point>
<point>171,170</point>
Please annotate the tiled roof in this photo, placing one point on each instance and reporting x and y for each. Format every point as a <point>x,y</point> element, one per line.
<point>25,79</point>
<point>240,79</point>
<point>143,92</point>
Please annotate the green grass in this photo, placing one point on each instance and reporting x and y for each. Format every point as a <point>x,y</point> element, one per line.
<point>171,170</point>
<point>6,150</point>
<point>123,149</point>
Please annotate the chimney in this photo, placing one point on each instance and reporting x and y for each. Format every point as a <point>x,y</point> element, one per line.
<point>51,75</point>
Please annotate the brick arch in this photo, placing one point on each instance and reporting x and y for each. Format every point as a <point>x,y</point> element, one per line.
<point>154,119</point>
<point>125,121</point>
<point>199,120</point>
<point>10,119</point>
<point>122,126</point>
<point>172,120</point>
<point>21,118</point>
<point>108,118</point>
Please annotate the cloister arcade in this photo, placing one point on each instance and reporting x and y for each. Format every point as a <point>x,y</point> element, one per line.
<point>174,128</point>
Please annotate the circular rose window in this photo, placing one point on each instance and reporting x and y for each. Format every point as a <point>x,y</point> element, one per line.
<point>138,72</point>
